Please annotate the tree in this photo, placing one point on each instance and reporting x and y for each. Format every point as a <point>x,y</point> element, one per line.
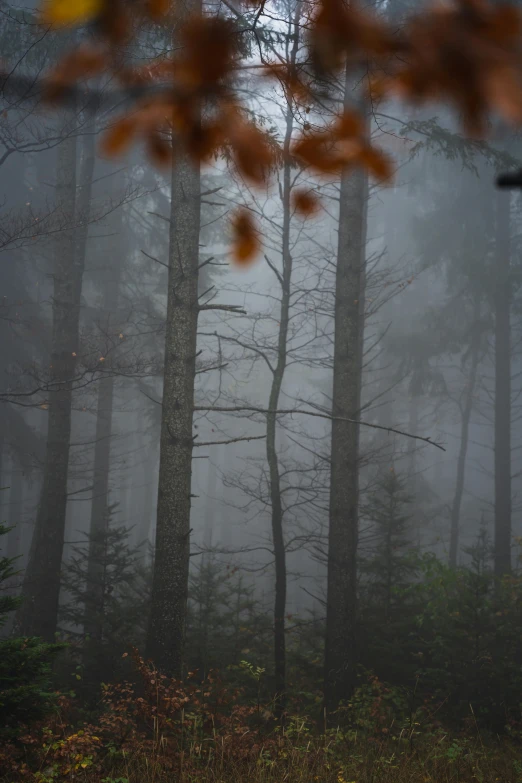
<point>172,550</point>
<point>387,573</point>
<point>39,611</point>
<point>102,450</point>
<point>278,371</point>
<point>389,569</point>
<point>108,602</point>
<point>341,608</point>
<point>25,666</point>
<point>502,309</point>
<point>465,407</point>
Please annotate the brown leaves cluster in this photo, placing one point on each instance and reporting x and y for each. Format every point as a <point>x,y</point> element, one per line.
<point>344,145</point>
<point>468,55</point>
<point>465,52</point>
<point>341,30</point>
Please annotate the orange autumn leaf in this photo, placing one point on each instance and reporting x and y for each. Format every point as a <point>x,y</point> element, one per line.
<point>245,237</point>
<point>350,124</point>
<point>70,12</point>
<point>157,8</point>
<point>316,150</point>
<point>377,162</point>
<point>84,62</point>
<point>207,55</point>
<point>204,140</point>
<point>159,150</point>
<point>306,203</point>
<point>251,152</point>
<point>115,22</point>
<point>340,29</point>
<point>502,90</point>
<point>117,139</point>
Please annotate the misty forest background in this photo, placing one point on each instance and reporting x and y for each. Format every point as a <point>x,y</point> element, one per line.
<point>325,557</point>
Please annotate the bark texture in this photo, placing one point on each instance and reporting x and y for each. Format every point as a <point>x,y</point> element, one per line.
<point>172,550</point>
<point>502,552</point>
<point>39,611</point>
<point>341,610</point>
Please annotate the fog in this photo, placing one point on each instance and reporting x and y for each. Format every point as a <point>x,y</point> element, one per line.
<point>438,384</point>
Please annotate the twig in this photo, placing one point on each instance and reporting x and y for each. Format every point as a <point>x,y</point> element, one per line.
<point>289,411</point>
<point>232,440</point>
<point>152,258</point>
<point>228,308</point>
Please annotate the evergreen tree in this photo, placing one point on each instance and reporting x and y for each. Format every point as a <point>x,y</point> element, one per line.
<point>391,567</point>
<point>386,575</point>
<point>225,622</point>
<point>118,607</point>
<point>25,664</point>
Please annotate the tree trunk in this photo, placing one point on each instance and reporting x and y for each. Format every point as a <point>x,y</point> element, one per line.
<point>39,611</point>
<point>102,458</point>
<point>411,452</point>
<point>210,505</point>
<point>463,451</point>
<point>278,539</point>
<point>4,488</point>
<point>100,503</point>
<point>341,610</point>
<point>166,633</point>
<point>16,499</point>
<point>14,540</point>
<point>273,461</point>
<point>502,553</point>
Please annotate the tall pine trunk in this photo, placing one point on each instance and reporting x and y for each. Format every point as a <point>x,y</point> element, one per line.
<point>102,455</point>
<point>41,590</point>
<point>463,452</point>
<point>16,501</point>
<point>341,609</point>
<point>502,554</point>
<point>165,639</point>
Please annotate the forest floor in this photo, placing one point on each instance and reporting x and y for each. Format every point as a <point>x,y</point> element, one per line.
<point>300,758</point>
<point>450,761</point>
<point>159,730</point>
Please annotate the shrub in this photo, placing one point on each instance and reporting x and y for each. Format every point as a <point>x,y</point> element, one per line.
<point>25,665</point>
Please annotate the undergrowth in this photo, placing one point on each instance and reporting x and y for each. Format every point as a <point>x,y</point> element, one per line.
<point>156,730</point>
